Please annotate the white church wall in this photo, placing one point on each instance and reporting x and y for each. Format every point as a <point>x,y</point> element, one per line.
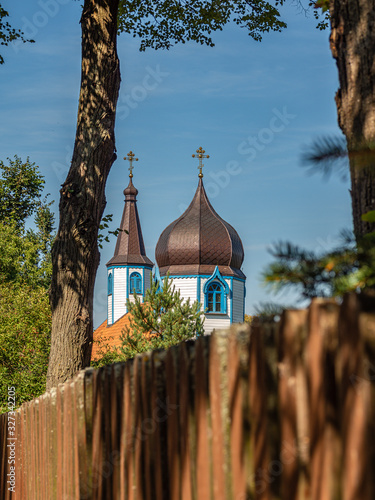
<point>215,322</point>
<point>119,292</point>
<point>109,310</point>
<point>238,301</point>
<point>201,294</point>
<point>187,287</point>
<point>109,298</point>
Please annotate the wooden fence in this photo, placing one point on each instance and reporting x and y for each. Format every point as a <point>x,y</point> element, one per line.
<point>281,411</point>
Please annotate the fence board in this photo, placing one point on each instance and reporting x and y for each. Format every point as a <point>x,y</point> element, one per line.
<point>282,411</point>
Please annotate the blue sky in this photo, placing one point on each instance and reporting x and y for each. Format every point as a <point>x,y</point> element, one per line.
<point>252,106</point>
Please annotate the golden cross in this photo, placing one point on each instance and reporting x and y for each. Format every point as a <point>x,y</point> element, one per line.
<point>130,158</point>
<point>200,155</point>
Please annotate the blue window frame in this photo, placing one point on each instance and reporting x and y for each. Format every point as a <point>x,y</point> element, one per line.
<point>110,284</point>
<point>216,291</point>
<point>215,298</point>
<point>135,283</point>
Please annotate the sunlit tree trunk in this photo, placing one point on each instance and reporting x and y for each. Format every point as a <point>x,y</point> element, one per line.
<point>75,252</point>
<point>353,46</point>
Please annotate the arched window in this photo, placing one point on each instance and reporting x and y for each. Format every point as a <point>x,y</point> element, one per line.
<point>110,284</point>
<point>215,298</point>
<point>135,283</point>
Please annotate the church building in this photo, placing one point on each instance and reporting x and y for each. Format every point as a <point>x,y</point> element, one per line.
<point>200,252</point>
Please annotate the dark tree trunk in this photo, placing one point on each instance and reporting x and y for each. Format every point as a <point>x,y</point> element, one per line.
<point>353,46</point>
<point>75,253</point>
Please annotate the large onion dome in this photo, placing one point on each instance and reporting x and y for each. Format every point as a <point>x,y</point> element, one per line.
<point>198,241</point>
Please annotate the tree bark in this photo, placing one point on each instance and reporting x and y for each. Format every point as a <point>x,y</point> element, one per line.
<point>352,43</point>
<point>75,254</point>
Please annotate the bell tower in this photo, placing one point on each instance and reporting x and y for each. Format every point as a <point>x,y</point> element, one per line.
<point>130,269</point>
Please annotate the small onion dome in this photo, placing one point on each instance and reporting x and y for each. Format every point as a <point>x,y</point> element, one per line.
<point>131,191</point>
<point>198,241</point>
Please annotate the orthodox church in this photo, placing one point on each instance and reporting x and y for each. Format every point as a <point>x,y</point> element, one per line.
<point>200,251</point>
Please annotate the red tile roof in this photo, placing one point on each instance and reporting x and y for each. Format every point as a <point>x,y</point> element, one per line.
<point>109,335</point>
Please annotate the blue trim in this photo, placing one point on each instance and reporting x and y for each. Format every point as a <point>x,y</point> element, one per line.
<point>216,279</point>
<point>110,283</point>
<point>171,276</point>
<point>157,279</point>
<point>135,283</point>
<point>231,300</point>
<point>130,266</point>
<point>156,274</point>
<point>244,295</point>
<point>127,283</point>
<point>215,299</point>
<point>113,308</point>
<point>199,289</point>
<point>216,276</point>
<point>113,297</point>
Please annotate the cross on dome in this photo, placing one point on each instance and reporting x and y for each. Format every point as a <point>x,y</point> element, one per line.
<point>200,155</point>
<point>130,158</point>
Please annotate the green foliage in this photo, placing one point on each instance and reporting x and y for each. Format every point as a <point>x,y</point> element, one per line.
<point>21,185</point>
<point>25,276</point>
<point>104,226</point>
<point>369,216</point>
<point>349,267</point>
<point>7,33</point>
<point>25,329</point>
<point>19,257</point>
<point>163,320</point>
<point>25,254</point>
<point>323,16</point>
<point>163,23</point>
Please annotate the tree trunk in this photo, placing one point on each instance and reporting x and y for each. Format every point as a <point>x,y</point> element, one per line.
<point>75,253</point>
<point>353,46</point>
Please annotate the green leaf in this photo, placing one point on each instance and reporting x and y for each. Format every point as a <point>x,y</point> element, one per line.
<point>369,216</point>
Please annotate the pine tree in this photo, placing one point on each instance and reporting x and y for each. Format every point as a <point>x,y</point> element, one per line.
<point>348,268</point>
<point>162,320</point>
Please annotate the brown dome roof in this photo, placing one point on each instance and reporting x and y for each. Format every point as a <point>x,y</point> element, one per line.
<point>198,241</point>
